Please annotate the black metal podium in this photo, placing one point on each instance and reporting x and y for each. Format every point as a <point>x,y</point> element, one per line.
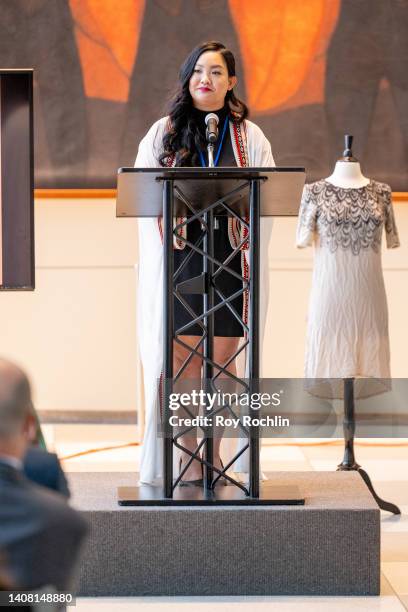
<point>203,194</point>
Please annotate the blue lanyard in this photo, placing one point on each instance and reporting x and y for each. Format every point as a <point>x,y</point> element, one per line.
<point>204,165</point>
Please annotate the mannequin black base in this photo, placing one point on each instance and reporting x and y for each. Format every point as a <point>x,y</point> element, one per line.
<point>345,466</point>
<point>382,504</point>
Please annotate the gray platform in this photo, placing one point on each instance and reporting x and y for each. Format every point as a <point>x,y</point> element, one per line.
<point>329,546</point>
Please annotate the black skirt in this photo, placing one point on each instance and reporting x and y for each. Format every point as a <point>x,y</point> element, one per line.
<point>225,324</point>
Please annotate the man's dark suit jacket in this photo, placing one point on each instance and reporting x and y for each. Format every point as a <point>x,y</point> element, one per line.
<point>44,468</point>
<point>40,534</point>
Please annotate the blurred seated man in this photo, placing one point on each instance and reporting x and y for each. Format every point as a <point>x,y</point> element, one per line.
<point>40,534</point>
<point>44,468</point>
<point>41,466</point>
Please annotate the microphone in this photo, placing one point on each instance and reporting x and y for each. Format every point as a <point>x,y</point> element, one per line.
<point>211,133</point>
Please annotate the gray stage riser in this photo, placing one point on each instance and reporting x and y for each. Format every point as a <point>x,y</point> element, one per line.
<point>233,552</point>
<point>325,550</point>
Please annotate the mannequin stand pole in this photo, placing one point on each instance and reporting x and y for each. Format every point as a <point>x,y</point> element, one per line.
<point>349,427</point>
<point>349,463</point>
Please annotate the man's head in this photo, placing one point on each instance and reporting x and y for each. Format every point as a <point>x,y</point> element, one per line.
<point>16,410</point>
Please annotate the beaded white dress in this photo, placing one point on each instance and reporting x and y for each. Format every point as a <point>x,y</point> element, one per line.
<point>347,328</point>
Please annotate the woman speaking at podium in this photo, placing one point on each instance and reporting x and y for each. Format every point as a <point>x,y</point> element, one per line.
<point>206,85</point>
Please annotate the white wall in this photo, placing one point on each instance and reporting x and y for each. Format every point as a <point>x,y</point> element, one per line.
<point>76,333</point>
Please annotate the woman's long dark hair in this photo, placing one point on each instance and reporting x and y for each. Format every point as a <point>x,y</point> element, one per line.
<point>183,137</point>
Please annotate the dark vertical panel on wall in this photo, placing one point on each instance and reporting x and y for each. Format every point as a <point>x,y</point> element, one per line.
<point>17,180</point>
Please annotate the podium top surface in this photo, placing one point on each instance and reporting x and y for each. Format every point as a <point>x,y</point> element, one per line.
<point>222,171</point>
<point>140,190</point>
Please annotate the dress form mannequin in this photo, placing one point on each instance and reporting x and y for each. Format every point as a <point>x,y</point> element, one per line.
<point>347,175</point>
<point>343,217</point>
<point>347,171</point>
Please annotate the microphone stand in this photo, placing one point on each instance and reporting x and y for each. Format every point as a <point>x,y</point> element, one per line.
<point>210,150</point>
<point>211,134</point>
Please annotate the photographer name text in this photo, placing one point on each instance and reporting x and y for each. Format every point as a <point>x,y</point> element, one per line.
<point>221,421</point>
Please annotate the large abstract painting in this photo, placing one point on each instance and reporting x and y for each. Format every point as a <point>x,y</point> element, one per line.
<point>309,71</point>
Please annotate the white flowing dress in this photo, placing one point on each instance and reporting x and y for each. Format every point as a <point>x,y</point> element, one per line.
<point>256,149</point>
<point>347,329</point>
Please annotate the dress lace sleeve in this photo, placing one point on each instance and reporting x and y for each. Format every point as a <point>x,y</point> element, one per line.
<point>391,231</point>
<point>306,227</point>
